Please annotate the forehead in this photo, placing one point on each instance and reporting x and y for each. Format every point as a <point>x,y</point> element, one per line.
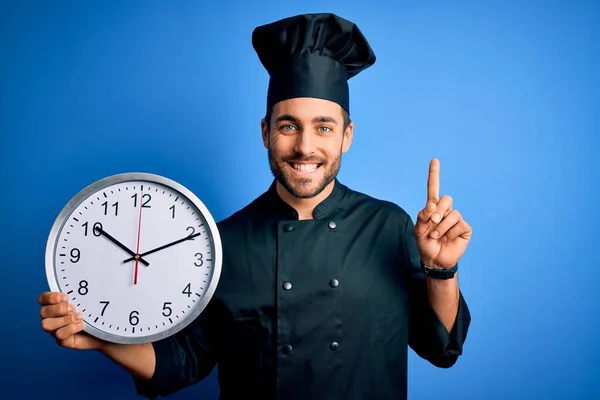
<point>308,108</point>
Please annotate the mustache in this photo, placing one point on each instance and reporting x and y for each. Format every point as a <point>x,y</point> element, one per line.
<point>298,158</point>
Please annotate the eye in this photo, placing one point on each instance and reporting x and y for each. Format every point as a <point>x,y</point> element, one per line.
<point>287,127</point>
<point>325,129</point>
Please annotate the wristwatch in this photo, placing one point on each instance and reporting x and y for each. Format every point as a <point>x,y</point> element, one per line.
<point>439,273</point>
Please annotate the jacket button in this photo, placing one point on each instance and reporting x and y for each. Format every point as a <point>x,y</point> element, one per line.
<point>287,227</point>
<point>287,285</point>
<point>287,349</point>
<point>332,224</point>
<point>334,346</point>
<point>334,283</point>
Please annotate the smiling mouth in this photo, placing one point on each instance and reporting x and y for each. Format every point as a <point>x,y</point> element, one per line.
<point>304,167</point>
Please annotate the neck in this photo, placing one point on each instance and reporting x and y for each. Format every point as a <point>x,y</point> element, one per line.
<point>304,207</point>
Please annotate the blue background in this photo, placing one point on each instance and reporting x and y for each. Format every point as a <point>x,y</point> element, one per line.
<point>506,94</point>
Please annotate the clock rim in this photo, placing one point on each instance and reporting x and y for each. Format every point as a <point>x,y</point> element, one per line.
<point>111,180</point>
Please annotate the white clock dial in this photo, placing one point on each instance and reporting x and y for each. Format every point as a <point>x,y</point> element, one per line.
<point>139,256</point>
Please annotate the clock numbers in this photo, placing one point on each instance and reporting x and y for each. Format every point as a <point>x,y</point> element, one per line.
<point>106,303</point>
<point>94,266</point>
<point>75,255</point>
<point>145,200</point>
<point>95,229</point>
<point>116,206</point>
<point>166,307</point>
<point>133,318</point>
<point>83,288</point>
<point>193,231</point>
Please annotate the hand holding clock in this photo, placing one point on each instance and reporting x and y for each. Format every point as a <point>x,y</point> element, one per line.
<point>61,320</point>
<point>89,307</point>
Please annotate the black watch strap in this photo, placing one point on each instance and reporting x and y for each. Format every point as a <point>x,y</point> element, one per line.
<point>439,273</point>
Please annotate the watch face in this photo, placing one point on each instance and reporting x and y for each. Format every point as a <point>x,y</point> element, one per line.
<point>138,254</point>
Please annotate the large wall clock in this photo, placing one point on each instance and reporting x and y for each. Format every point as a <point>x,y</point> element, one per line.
<point>138,254</point>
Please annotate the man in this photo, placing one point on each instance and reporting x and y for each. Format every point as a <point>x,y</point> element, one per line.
<point>323,288</point>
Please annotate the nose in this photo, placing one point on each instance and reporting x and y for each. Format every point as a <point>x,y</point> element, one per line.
<point>305,143</point>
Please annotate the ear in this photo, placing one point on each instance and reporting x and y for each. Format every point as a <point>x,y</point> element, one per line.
<point>347,140</point>
<point>265,133</point>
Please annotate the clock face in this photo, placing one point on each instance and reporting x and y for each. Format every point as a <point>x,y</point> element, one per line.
<point>138,254</point>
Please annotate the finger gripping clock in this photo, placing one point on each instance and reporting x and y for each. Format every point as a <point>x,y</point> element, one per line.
<point>138,254</point>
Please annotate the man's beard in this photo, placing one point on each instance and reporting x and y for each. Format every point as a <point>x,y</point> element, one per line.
<point>300,187</point>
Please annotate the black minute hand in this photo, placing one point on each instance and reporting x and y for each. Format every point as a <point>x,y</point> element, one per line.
<point>190,237</point>
<point>121,245</point>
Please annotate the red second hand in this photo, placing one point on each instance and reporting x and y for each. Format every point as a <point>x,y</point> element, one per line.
<point>137,250</point>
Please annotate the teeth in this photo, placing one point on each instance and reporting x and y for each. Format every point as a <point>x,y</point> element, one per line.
<point>305,167</point>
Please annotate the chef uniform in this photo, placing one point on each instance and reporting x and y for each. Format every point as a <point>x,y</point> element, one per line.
<point>324,308</point>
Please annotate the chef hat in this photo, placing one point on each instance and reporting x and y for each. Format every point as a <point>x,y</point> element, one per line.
<point>311,55</point>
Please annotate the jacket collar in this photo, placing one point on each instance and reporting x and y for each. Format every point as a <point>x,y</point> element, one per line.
<point>284,211</point>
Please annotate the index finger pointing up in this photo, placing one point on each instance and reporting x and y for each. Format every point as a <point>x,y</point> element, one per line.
<point>433,181</point>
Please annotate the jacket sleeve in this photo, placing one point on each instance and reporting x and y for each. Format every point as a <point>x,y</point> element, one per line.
<point>428,336</point>
<point>182,359</point>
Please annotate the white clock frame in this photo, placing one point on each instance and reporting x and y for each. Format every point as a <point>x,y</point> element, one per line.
<point>212,232</point>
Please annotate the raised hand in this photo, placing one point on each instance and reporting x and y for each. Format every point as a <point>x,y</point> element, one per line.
<point>441,233</point>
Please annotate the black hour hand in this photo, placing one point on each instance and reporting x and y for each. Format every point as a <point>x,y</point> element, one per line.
<point>121,245</point>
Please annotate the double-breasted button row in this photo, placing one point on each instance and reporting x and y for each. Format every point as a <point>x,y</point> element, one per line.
<point>289,227</point>
<point>333,283</point>
<point>287,349</point>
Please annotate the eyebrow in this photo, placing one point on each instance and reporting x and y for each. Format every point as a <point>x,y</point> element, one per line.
<point>291,118</point>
